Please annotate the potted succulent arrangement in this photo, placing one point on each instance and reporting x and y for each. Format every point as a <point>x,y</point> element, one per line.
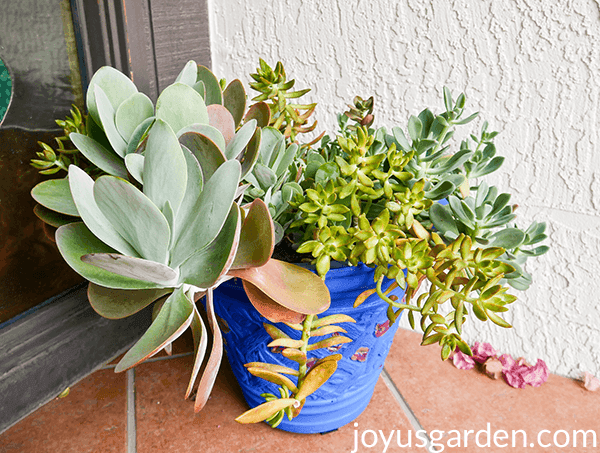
<point>194,196</point>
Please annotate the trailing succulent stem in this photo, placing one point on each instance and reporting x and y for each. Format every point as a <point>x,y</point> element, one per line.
<point>310,374</point>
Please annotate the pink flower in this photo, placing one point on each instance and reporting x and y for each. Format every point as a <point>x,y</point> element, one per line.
<point>336,347</point>
<point>462,361</point>
<point>483,351</point>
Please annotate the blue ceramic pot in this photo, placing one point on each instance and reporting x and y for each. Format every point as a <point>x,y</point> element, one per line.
<point>348,392</point>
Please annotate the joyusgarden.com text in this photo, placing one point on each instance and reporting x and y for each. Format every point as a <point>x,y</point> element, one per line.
<point>377,440</point>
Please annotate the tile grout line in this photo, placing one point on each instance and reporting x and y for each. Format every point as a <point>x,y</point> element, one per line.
<point>412,418</point>
<point>131,422</point>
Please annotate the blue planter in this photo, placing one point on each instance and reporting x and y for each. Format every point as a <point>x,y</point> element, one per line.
<point>348,392</point>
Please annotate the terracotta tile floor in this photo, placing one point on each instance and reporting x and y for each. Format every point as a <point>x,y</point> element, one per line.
<point>416,391</point>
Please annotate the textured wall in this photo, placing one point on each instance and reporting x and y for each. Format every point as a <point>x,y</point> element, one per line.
<point>530,66</point>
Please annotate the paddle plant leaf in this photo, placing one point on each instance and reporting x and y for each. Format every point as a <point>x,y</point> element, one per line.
<point>174,317</point>
<point>55,195</point>
<point>181,106</point>
<point>241,140</point>
<point>211,84</point>
<point>208,214</point>
<point>272,144</point>
<point>220,118</point>
<point>250,157</point>
<point>134,216</point>
<point>209,376</point>
<point>208,131</point>
<point>82,186</point>
<point>234,100</point>
<point>270,308</point>
<point>136,268</point>
<point>291,286</point>
<point>105,159</point>
<point>265,410</point>
<point>259,112</point>
<point>76,240</point>
<point>205,151</point>
<point>117,87</point>
<point>121,303</point>
<point>135,166</point>
<point>195,182</point>
<point>53,218</point>
<point>257,239</point>
<point>205,267</point>
<point>165,167</point>
<point>200,336</point>
<point>189,73</point>
<point>131,113</point>
<point>138,135</point>
<point>107,118</point>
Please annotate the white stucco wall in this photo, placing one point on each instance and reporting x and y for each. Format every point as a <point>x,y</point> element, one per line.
<point>530,66</point>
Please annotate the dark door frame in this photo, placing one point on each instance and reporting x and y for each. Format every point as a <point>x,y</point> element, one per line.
<point>51,348</point>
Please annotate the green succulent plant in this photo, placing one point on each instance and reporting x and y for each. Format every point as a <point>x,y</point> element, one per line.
<point>178,238</point>
<point>403,205</point>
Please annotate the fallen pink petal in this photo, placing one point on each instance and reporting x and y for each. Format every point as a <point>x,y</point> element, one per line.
<point>483,351</point>
<point>535,375</point>
<point>591,382</point>
<point>462,361</point>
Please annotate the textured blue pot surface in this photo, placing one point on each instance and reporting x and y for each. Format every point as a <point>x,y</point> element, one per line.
<point>348,392</point>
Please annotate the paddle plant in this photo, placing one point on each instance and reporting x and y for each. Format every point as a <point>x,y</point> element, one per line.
<point>173,241</point>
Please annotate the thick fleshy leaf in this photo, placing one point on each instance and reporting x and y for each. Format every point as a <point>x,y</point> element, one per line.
<point>134,216</point>
<point>208,131</point>
<point>316,377</point>
<point>135,166</point>
<point>82,186</point>
<point>104,159</point>
<point>180,106</point>
<point>208,214</point>
<point>252,154</point>
<point>189,73</point>
<point>265,410</point>
<point>234,100</point>
<point>291,286</point>
<point>53,218</point>
<point>257,239</point>
<point>272,145</point>
<point>137,135</point>
<point>120,303</point>
<point>174,317</point>
<point>200,336</point>
<point>508,238</point>
<point>259,112</point>
<point>115,85</point>
<point>107,118</point>
<point>131,113</point>
<point>205,267</point>
<point>206,151</point>
<point>195,182</point>
<point>269,308</point>
<point>76,240</point>
<point>136,268</point>
<point>55,195</point>
<point>220,118</point>
<point>165,168</point>
<point>284,159</point>
<point>241,140</point>
<point>214,361</point>
<point>211,84</point>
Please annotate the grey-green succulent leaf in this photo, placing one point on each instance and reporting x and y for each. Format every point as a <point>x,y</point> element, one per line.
<point>121,303</point>
<point>135,268</point>
<point>55,195</point>
<point>116,85</point>
<point>180,106</point>
<point>106,160</point>
<point>107,120</point>
<point>131,113</point>
<point>174,317</point>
